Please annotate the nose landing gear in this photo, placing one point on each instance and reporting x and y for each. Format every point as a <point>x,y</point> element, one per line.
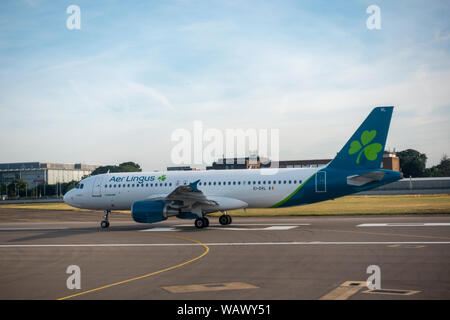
<point>105,223</point>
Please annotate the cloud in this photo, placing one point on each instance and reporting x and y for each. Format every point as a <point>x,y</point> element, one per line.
<point>119,88</point>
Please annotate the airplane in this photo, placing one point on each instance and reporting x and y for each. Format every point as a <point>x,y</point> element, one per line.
<point>155,196</point>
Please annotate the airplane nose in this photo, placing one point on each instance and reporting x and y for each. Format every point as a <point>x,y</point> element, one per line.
<point>66,197</point>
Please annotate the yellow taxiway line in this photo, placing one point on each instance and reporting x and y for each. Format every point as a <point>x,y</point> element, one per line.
<point>145,275</point>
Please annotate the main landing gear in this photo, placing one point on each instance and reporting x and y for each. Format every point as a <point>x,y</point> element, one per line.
<point>105,223</point>
<point>202,222</point>
<point>225,219</point>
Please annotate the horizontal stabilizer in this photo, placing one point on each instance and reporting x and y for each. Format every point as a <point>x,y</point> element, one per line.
<point>362,179</point>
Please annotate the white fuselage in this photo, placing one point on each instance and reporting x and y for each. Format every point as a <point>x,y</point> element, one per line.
<point>257,188</point>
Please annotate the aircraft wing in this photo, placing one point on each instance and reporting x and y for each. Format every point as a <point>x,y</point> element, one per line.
<point>188,196</point>
<point>362,179</point>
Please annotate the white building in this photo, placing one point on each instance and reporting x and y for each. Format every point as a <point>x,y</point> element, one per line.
<point>35,173</point>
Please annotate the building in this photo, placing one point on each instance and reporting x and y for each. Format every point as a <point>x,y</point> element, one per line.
<point>315,163</point>
<point>35,173</point>
<point>240,163</point>
<point>247,163</point>
<point>182,168</point>
<point>390,162</point>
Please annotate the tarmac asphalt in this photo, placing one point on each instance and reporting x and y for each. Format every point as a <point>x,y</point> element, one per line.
<point>253,258</point>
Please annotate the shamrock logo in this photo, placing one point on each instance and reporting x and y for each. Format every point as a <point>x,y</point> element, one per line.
<point>370,150</point>
<point>162,178</point>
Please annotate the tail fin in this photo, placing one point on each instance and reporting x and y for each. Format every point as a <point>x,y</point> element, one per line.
<point>365,148</point>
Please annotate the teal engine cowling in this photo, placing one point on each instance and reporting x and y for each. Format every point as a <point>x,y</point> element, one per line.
<point>151,211</point>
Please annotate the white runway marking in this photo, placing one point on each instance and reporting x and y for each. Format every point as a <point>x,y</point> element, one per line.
<point>160,229</point>
<point>410,224</point>
<point>254,229</point>
<point>31,229</point>
<point>236,227</point>
<point>218,244</point>
<point>257,224</point>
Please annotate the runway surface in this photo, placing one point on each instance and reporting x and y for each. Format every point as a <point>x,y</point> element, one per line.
<point>253,258</point>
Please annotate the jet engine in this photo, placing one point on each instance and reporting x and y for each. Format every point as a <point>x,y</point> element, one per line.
<point>151,211</point>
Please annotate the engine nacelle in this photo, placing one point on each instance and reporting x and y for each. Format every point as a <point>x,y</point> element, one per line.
<point>151,211</point>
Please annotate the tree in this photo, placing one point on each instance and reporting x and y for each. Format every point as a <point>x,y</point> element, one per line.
<point>440,170</point>
<point>444,166</point>
<point>412,162</point>
<point>130,166</point>
<point>123,167</point>
<point>3,187</point>
<point>17,187</point>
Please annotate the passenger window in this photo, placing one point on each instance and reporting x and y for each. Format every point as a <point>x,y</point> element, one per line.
<point>218,183</point>
<point>254,182</point>
<point>259,182</point>
<point>209,183</point>
<point>295,181</point>
<point>106,186</point>
<point>165,184</point>
<point>132,185</point>
<point>170,184</point>
<point>289,181</point>
<point>234,183</point>
<point>214,183</point>
<point>264,182</point>
<point>284,181</point>
<point>229,183</point>
<point>239,182</point>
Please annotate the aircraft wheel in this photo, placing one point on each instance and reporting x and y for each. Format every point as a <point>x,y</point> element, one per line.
<point>229,219</point>
<point>206,222</point>
<point>200,223</point>
<point>104,224</point>
<point>223,219</point>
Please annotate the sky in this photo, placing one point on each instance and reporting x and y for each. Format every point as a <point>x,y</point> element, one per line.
<point>117,89</point>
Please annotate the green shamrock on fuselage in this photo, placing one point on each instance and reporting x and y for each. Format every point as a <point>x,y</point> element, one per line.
<point>162,178</point>
<point>370,150</point>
